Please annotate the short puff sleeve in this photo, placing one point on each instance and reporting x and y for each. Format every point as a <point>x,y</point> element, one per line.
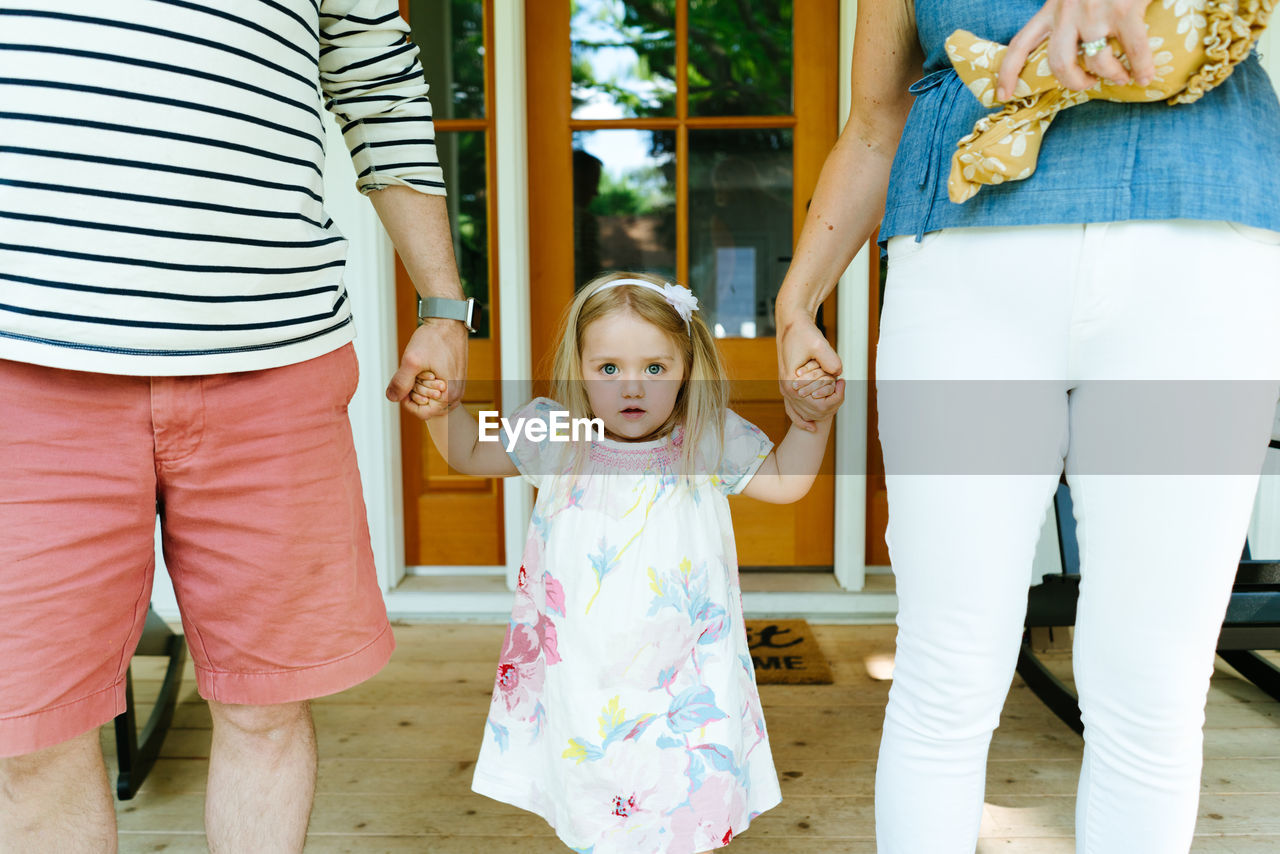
<point>745,448</point>
<point>537,459</point>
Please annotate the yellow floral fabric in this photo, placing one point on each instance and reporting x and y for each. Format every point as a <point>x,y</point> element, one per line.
<point>1195,44</point>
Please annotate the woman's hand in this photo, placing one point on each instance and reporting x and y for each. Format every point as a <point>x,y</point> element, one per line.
<point>808,373</point>
<point>847,203</point>
<point>1067,24</point>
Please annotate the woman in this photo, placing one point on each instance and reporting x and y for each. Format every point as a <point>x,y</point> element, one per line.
<point>1089,316</point>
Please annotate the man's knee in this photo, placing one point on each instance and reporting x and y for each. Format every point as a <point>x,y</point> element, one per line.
<point>50,764</point>
<point>18,773</point>
<point>261,721</point>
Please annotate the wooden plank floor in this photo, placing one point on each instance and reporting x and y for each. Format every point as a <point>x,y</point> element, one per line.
<point>396,756</point>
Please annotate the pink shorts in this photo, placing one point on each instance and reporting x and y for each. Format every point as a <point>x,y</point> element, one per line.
<point>254,479</point>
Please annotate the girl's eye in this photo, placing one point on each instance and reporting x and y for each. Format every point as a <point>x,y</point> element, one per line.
<point>609,370</point>
<point>654,369</point>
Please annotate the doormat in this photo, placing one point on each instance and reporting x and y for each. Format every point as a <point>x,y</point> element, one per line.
<point>785,652</point>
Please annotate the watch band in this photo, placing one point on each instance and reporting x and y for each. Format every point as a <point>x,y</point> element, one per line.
<point>450,309</point>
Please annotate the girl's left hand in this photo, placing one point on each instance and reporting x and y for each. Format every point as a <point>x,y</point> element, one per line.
<point>427,390</point>
<point>1069,23</point>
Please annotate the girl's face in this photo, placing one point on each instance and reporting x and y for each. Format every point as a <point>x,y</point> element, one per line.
<point>633,373</point>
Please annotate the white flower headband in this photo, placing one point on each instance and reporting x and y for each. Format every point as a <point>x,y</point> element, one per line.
<point>677,296</point>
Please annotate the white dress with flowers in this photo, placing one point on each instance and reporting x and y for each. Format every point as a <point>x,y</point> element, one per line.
<point>625,709</point>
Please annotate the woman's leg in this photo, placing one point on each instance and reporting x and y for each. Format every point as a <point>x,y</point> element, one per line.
<point>1168,431</point>
<point>961,548</point>
<point>973,422</point>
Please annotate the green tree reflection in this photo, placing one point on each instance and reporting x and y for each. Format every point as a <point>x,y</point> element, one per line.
<point>740,55</point>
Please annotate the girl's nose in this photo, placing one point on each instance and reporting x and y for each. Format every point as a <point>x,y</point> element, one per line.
<point>633,386</point>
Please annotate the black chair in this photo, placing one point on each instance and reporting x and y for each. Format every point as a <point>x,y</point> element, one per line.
<point>136,757</point>
<point>1252,621</point>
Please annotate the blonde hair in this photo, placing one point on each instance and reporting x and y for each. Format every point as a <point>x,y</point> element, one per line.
<point>704,392</point>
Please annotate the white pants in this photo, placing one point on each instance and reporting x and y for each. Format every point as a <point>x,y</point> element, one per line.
<point>1147,356</point>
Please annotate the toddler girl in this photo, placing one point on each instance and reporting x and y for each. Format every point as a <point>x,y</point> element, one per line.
<point>625,710</point>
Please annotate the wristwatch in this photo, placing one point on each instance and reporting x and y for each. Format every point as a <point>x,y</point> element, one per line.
<point>464,310</point>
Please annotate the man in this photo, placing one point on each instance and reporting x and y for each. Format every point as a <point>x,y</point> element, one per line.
<point>175,336</point>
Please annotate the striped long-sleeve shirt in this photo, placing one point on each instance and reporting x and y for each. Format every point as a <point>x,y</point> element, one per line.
<point>161,207</point>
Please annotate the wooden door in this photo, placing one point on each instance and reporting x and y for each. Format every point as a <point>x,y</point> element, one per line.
<point>685,137</point>
<point>453,519</point>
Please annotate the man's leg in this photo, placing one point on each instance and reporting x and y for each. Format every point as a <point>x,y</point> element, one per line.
<point>77,527</point>
<point>265,538</point>
<point>57,799</point>
<point>262,778</point>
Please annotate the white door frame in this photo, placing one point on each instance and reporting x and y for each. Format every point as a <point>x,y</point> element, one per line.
<point>851,423</point>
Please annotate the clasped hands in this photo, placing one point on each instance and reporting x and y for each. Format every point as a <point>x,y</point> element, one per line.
<point>808,373</point>
<point>437,349</point>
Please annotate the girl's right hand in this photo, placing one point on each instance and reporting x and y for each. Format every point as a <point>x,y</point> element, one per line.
<point>821,388</point>
<point>812,381</point>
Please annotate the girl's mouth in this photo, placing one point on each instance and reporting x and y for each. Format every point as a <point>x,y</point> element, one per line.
<point>632,413</point>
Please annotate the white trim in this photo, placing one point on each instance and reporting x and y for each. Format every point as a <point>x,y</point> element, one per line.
<point>468,571</point>
<point>163,598</point>
<point>375,423</point>
<point>512,170</point>
<point>851,422</point>
<point>495,607</point>
<point>1264,530</point>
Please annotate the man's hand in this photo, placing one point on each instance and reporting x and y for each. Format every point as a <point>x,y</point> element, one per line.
<point>438,347</point>
<point>808,373</point>
<point>419,228</point>
<point>1069,23</point>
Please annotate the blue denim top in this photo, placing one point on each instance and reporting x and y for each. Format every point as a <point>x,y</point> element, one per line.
<point>1216,159</point>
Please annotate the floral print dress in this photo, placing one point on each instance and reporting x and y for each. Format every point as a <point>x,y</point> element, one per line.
<point>625,709</point>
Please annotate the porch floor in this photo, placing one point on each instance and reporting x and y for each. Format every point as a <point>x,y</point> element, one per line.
<point>397,755</point>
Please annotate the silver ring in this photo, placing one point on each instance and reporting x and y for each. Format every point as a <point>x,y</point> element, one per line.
<point>1094,47</point>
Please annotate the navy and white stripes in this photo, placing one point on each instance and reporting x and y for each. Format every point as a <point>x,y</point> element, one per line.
<point>160,175</point>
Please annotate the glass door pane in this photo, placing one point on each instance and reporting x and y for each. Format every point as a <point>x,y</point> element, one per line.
<point>462,154</point>
<point>623,56</point>
<point>450,37</point>
<point>740,189</point>
<point>740,57</point>
<point>624,202</point>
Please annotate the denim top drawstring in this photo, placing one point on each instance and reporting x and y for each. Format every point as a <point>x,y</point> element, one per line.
<point>936,95</point>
